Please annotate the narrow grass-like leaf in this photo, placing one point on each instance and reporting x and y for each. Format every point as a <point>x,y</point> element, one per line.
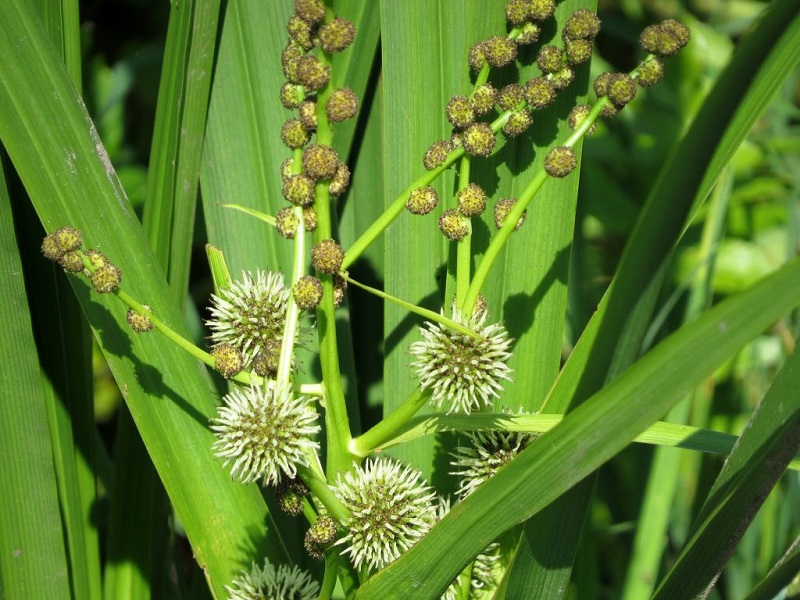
<point>780,576</point>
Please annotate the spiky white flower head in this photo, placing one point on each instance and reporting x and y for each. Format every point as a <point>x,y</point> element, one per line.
<point>464,373</point>
<point>265,432</point>
<point>249,313</point>
<point>392,508</point>
<point>488,452</point>
<point>269,583</point>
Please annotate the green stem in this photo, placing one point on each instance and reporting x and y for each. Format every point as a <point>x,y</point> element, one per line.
<point>364,444</point>
<point>319,487</point>
<point>463,246</point>
<point>292,311</point>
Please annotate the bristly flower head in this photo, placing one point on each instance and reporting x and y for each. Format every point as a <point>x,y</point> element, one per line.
<point>464,373</point>
<point>392,508</point>
<point>265,433</point>
<point>249,313</point>
<point>269,583</point>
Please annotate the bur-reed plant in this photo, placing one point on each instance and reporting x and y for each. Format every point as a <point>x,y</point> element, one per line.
<point>428,192</point>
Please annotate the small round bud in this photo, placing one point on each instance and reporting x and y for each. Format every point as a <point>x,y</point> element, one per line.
<point>307,112</point>
<point>560,161</point>
<point>578,51</point>
<point>530,34</point>
<point>286,169</point>
<point>290,493</point>
<point>577,116</point>
<point>459,112</point>
<point>609,111</point>
<point>310,218</point>
<point>436,154</point>
<point>550,59</point>
<point>477,56</point>
<point>320,162</point>
<point>621,89</point>
<point>516,11</point>
<point>106,279</point>
<point>483,99</point>
<point>562,78</point>
<point>299,189</point>
<point>453,225</point>
<point>97,259</point>
<point>290,95</point>
<point>339,288</point>
<point>478,139</point>
<point>678,30</point>
<point>340,180</point>
<point>602,83</point>
<point>664,39</point>
<point>266,361</point>
<point>139,322</point>
<point>71,261</point>
<point>312,11</point>
<point>300,32</point>
<point>582,25</point>
<point>342,105</point>
<point>50,248</point>
<point>68,239</point>
<point>319,536</point>
<point>327,256</point>
<point>293,134</point>
<point>539,92</point>
<point>312,73</point>
<point>336,35</point>
<point>510,96</point>
<point>500,50</point>
<point>502,209</point>
<point>650,72</point>
<point>422,200</point>
<point>307,292</point>
<point>228,360</point>
<point>471,200</point>
<point>541,10</point>
<point>289,57</point>
<point>518,123</point>
<point>286,222</point>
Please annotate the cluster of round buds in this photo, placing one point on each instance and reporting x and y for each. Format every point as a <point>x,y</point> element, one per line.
<point>289,494</point>
<point>269,582</point>
<point>578,34</point>
<point>665,38</point>
<point>139,322</point>
<point>319,536</point>
<point>63,246</point>
<point>619,88</point>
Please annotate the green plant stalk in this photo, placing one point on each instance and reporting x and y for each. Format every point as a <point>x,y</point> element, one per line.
<point>292,311</point>
<point>366,443</point>
<point>463,246</point>
<point>220,273</point>
<point>269,219</point>
<point>319,487</point>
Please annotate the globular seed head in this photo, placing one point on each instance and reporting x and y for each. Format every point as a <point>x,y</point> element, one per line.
<point>560,161</point>
<point>502,208</point>
<point>139,322</point>
<point>459,112</point>
<point>96,258</point>
<point>290,95</point>
<point>311,11</point>
<point>609,111</point>
<point>602,83</point>
<point>286,222</point>
<point>289,496</point>
<point>539,92</point>
<point>578,51</point>
<point>300,32</point>
<point>453,225</point>
<point>71,261</point>
<point>319,536</point>
<point>436,154</point>
<point>50,248</point>
<point>541,10</point>
<point>228,360</point>
<point>68,239</point>
<point>310,218</point>
<point>422,200</point>
<point>621,89</point>
<point>342,105</point>
<point>550,59</point>
<point>529,35</point>
<point>516,11</point>
<point>106,279</point>
<point>320,162</point>
<point>478,139</point>
<point>577,116</point>
<point>510,96</point>
<point>289,57</point>
<point>307,292</point>
<point>299,189</point>
<point>680,31</point>
<point>650,72</point>
<point>340,180</point>
<point>582,25</point>
<point>266,361</point>
<point>312,73</point>
<point>500,50</point>
<point>561,79</point>
<point>293,134</point>
<point>471,200</point>
<point>477,56</point>
<point>339,288</point>
<point>483,99</point>
<point>307,113</point>
<point>327,256</point>
<point>665,38</point>
<point>286,169</point>
<point>518,123</point>
<point>336,35</point>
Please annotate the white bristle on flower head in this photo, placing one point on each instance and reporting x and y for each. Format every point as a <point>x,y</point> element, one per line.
<point>268,582</point>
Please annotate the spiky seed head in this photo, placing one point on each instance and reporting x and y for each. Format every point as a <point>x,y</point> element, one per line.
<point>471,200</point>
<point>510,96</point>
<point>550,59</point>
<point>463,373</point>
<point>50,248</point>
<point>286,169</point>
<point>518,122</point>
<point>310,218</point>
<point>436,154</point>
<point>267,582</point>
<point>340,180</point>
<point>106,279</point>
<point>541,10</point>
<point>339,288</point>
<point>312,11</point>
<point>582,25</point>
<point>342,105</point>
<point>483,98</point>
<point>478,139</point>
<point>578,51</point>
<point>289,494</point>
<point>289,57</point>
<point>287,222</point>
<point>560,161</point>
<point>459,112</point>
<point>502,208</point>
<point>307,292</point>
<point>453,225</point>
<point>577,116</point>
<point>622,90</point>
<point>266,361</point>
<point>539,92</point>
<point>500,50</point>
<point>422,200</point>
<point>249,313</point>
<point>336,35</point>
<point>665,38</point>
<point>68,239</point>
<point>139,322</point>
<point>312,73</point>
<point>327,256</point>
<point>650,72</point>
<point>299,189</point>
<point>562,78</point>
<point>300,32</point>
<point>320,162</point>
<point>319,536</point>
<point>477,56</point>
<point>290,95</point>
<point>392,508</point>
<point>71,261</point>
<point>516,11</point>
<point>293,134</point>
<point>529,35</point>
<point>228,360</point>
<point>96,258</point>
<point>307,113</point>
